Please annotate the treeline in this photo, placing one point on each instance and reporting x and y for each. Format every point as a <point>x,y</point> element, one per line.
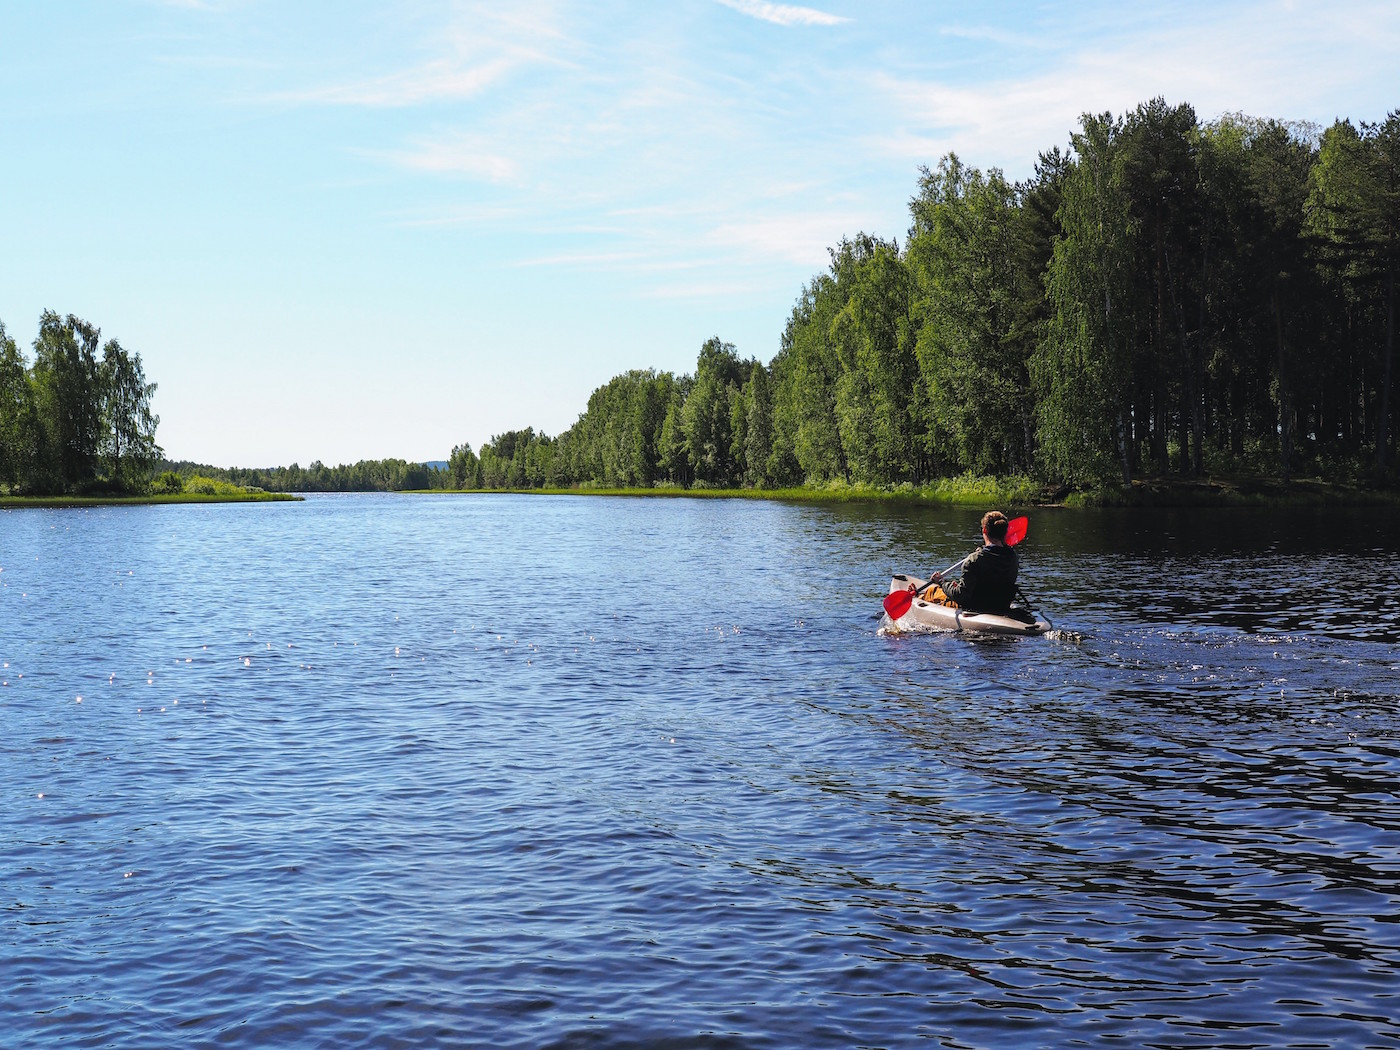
<point>78,419</point>
<point>1166,297</point>
<point>644,429</point>
<point>369,475</point>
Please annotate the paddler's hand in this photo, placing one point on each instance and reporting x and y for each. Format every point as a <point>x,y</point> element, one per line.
<point>936,578</point>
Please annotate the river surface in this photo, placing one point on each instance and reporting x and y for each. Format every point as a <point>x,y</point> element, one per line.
<point>500,771</point>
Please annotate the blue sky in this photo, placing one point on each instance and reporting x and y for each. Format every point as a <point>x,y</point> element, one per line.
<point>350,229</point>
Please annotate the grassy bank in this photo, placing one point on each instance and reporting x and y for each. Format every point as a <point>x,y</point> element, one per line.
<point>1024,492</point>
<point>966,491</point>
<point>20,502</point>
<point>169,487</point>
<point>1236,491</point>
<point>948,492</point>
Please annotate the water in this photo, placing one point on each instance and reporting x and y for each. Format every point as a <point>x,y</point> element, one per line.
<point>392,771</point>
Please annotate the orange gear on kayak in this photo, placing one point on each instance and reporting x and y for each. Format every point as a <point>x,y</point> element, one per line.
<point>934,595</point>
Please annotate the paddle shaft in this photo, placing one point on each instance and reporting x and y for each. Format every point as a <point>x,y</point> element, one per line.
<point>951,568</point>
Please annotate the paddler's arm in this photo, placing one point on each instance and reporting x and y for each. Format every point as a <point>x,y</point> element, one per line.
<point>957,588</point>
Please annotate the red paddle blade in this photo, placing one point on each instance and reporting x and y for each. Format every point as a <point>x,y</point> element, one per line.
<point>1016,531</point>
<point>897,603</point>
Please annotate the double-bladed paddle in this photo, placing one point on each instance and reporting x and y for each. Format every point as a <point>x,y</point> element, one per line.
<point>897,603</point>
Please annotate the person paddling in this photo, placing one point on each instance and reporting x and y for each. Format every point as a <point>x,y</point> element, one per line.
<point>988,581</point>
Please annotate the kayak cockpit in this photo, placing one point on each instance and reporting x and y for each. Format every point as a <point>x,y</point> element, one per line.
<point>1019,620</point>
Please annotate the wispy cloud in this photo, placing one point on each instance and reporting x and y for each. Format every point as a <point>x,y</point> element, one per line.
<point>784,14</point>
<point>599,259</point>
<point>1000,37</point>
<point>475,49</point>
<point>796,238</point>
<point>1288,65</point>
<point>440,79</point>
<point>721,291</point>
<point>461,154</point>
<point>481,216</point>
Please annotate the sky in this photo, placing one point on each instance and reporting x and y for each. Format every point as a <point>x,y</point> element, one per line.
<point>341,229</point>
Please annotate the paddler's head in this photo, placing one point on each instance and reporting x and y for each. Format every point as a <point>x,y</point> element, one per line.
<point>994,528</point>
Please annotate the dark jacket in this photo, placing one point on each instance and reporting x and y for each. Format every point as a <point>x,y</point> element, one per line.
<point>988,580</point>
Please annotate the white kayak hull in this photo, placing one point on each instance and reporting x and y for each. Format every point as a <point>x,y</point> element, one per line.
<point>948,618</point>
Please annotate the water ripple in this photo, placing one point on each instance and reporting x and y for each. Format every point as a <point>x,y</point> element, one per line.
<point>395,772</point>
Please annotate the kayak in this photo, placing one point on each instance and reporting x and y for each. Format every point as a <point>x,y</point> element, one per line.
<point>950,618</point>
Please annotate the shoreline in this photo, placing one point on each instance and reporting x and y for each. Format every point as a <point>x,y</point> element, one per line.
<point>1153,492</point>
<point>61,502</point>
<point>957,492</point>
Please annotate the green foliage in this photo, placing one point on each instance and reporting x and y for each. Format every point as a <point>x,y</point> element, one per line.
<point>806,436</point>
<point>18,425</point>
<point>872,339</point>
<point>67,380</point>
<point>199,485</point>
<point>1353,219</point>
<point>376,475</point>
<point>981,490</point>
<point>465,468</point>
<point>74,421</point>
<point>168,483</point>
<point>1157,166</point>
<point>673,458</point>
<point>128,444</point>
<point>616,441</point>
<point>1081,368</point>
<point>707,417</point>
<point>757,407</point>
<point>973,303</point>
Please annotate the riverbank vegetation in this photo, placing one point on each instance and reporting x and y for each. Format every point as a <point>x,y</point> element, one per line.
<point>1168,299</point>
<point>967,490</point>
<point>231,495</point>
<point>77,429</point>
<point>983,492</point>
<point>78,420</point>
<point>368,475</point>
